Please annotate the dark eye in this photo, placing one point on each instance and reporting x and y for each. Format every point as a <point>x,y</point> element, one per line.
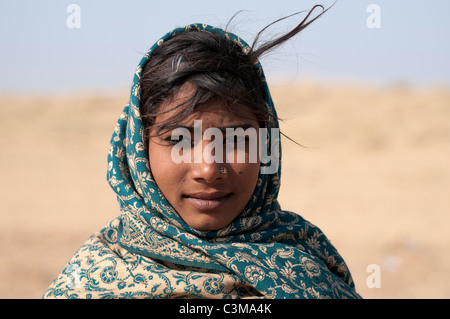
<point>172,140</point>
<point>236,139</point>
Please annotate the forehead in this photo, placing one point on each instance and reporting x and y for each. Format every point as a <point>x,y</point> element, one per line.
<point>212,113</point>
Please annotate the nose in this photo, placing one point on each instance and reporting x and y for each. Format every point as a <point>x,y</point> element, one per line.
<point>208,168</point>
<point>207,172</point>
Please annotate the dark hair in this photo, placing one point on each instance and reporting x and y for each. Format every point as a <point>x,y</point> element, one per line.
<point>216,66</point>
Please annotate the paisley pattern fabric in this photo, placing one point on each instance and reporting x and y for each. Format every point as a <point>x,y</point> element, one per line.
<point>150,252</point>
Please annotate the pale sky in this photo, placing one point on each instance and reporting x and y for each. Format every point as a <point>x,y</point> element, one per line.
<point>39,52</point>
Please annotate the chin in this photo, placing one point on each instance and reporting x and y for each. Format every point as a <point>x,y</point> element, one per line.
<point>207,224</point>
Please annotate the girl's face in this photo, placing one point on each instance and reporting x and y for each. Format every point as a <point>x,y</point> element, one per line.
<point>204,196</point>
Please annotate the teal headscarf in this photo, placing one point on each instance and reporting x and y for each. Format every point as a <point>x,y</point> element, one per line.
<point>149,251</point>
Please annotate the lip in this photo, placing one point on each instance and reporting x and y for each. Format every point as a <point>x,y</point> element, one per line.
<point>207,201</point>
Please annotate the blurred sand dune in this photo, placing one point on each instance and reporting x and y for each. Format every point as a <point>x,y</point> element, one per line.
<point>374,175</point>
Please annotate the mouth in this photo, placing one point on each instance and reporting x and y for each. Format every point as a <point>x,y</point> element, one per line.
<point>207,201</point>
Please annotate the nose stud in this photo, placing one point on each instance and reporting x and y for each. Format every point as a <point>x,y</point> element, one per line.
<point>223,170</point>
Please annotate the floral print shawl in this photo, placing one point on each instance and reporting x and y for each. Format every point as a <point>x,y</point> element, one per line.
<point>150,252</point>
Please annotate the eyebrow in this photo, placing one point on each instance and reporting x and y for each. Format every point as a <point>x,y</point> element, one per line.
<point>169,127</point>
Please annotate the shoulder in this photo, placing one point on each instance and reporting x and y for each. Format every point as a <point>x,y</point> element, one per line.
<point>79,277</point>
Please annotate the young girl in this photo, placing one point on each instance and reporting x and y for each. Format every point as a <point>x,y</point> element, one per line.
<point>208,226</point>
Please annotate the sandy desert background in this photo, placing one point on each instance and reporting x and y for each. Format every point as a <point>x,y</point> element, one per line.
<point>374,176</point>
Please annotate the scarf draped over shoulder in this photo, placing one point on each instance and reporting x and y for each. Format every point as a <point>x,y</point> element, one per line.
<point>150,252</point>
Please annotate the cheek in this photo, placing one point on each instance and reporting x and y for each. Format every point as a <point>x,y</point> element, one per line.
<point>165,172</point>
<point>247,177</point>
